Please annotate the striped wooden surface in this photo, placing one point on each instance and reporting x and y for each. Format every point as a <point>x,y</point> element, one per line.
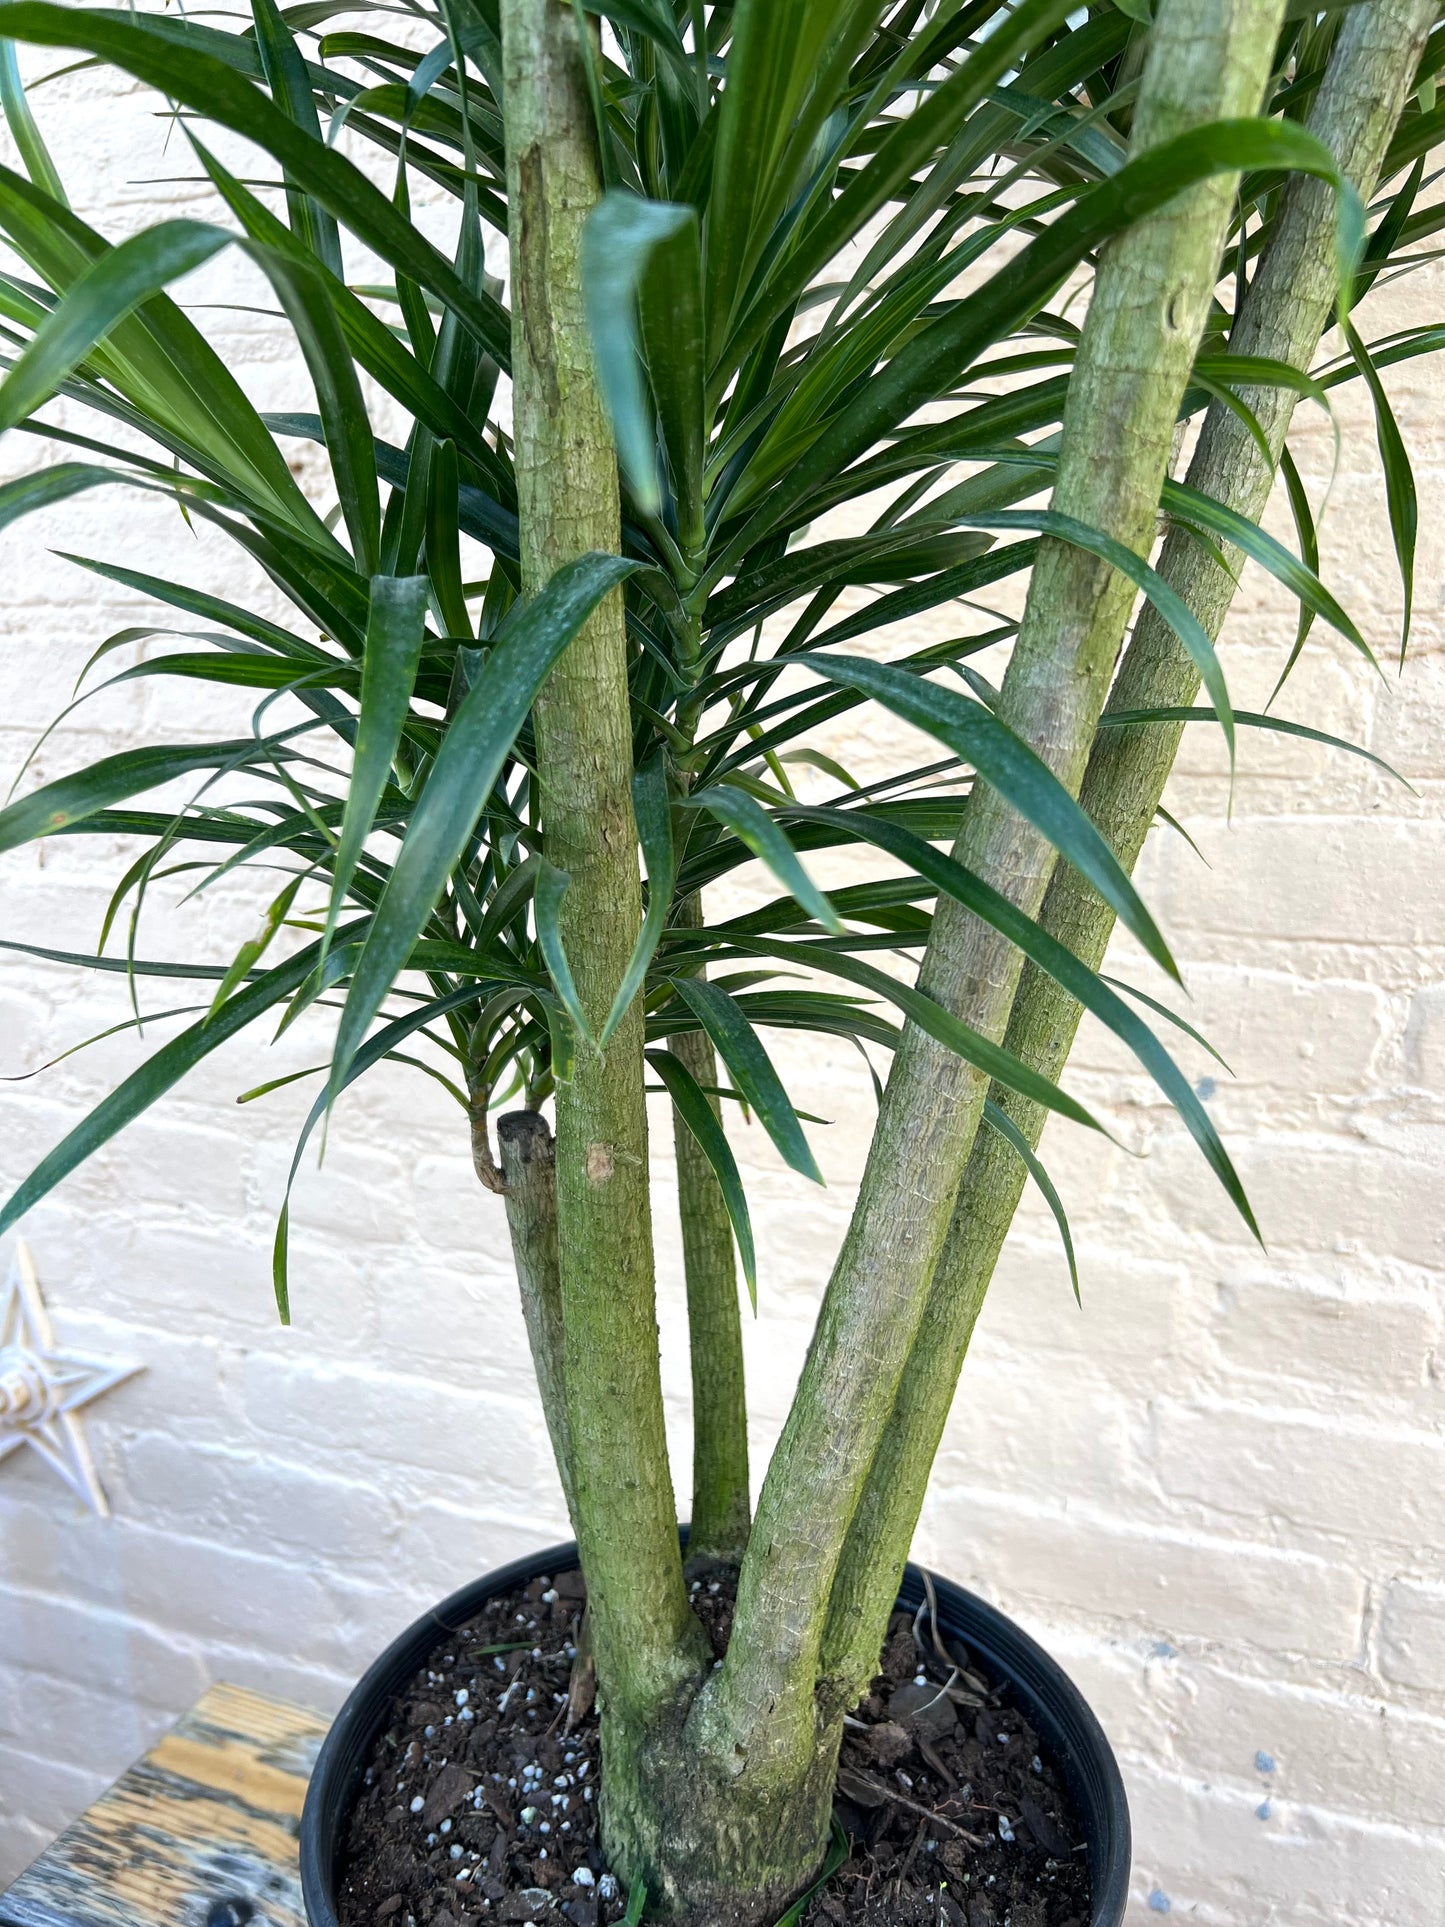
<point>199,1833</point>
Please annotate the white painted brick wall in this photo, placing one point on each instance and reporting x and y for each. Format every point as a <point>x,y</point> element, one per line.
<point>1216,1491</point>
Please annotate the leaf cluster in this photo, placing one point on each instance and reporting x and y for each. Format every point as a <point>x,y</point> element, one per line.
<point>833,286</point>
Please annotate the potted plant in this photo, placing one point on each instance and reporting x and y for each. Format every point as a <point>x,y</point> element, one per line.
<point>770,263</point>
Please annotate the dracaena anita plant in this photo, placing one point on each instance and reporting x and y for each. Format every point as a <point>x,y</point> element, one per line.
<point>766,261</point>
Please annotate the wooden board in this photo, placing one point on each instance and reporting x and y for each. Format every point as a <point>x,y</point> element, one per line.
<point>199,1833</point>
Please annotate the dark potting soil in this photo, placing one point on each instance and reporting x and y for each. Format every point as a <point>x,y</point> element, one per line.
<point>479,1804</point>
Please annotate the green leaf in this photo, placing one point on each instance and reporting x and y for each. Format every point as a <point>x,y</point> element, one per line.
<point>700,1118</point>
<point>394,633</point>
<point>907,145</point>
<point>30,492</point>
<point>1171,606</point>
<point>1000,1121</point>
<point>550,887</point>
<point>838,1850</point>
<point>751,824</point>
<point>443,541</point>
<point>26,135</point>
<point>1308,536</point>
<point>993,1059</point>
<point>63,803</point>
<point>670,312</point>
<point>652,807</point>
<point>103,294</point>
<point>1010,767</point>
<point>155,1077</point>
<point>1249,719</point>
<point>467,765</point>
<point>306,298</point>
<point>290,85</point>
<point>758,1084</point>
<point>935,359</point>
<point>783,79</point>
<point>251,952</point>
<point>1187,504</point>
<point>370,340</point>
<point>207,86</point>
<point>1061,964</point>
<point>1399,479</point>
<point>617,244</point>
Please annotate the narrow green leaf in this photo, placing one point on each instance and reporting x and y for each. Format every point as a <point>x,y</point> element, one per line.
<point>373,344</point>
<point>1171,606</point>
<point>1399,479</point>
<point>1000,1121</point>
<point>908,144</point>
<point>394,633</point>
<point>936,358</point>
<point>251,952</point>
<point>700,1118</point>
<point>26,135</point>
<point>61,804</point>
<point>155,1077</point>
<point>1249,719</point>
<point>550,888</point>
<point>30,492</point>
<point>304,295</point>
<point>751,824</point>
<point>290,85</point>
<point>992,1059</point>
<point>1060,963</point>
<point>102,295</point>
<point>617,243</point>
<point>652,807</point>
<point>670,303</point>
<point>208,86</point>
<point>1010,767</point>
<point>467,765</point>
<point>752,1071</point>
<point>443,541</point>
<point>1190,505</point>
<point>1309,543</point>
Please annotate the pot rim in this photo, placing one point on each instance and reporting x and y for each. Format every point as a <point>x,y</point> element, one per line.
<point>1056,1708</point>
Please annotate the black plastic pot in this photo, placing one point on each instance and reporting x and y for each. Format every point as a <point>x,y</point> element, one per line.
<point>1054,1705</point>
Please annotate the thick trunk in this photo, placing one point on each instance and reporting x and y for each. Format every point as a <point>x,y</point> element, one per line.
<point>1208,58</point>
<point>1285,311</point>
<point>647,1645</point>
<point>718,1798</point>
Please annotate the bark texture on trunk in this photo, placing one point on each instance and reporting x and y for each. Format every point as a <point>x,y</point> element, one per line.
<point>529,1171</point>
<point>1288,305</point>
<point>1208,59</point>
<point>647,1644</point>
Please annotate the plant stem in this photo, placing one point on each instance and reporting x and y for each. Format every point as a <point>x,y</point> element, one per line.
<point>1208,58</point>
<point>530,1172</point>
<point>1288,304</point>
<point>645,1639</point>
<point>721,1499</point>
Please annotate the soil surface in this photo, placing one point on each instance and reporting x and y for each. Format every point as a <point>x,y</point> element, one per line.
<point>479,1803</point>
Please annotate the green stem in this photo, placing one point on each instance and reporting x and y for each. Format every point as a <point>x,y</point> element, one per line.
<point>1288,304</point>
<point>1208,59</point>
<point>721,1499</point>
<point>646,1642</point>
